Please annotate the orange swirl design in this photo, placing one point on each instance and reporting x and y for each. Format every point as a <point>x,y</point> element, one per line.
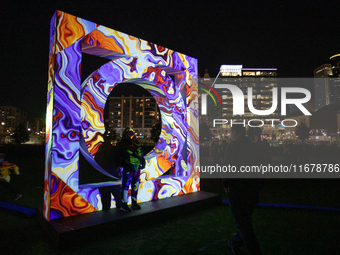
<point>69,31</point>
<point>66,200</point>
<point>163,161</point>
<point>97,38</point>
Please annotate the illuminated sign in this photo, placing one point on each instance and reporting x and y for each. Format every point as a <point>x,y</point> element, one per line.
<point>231,68</point>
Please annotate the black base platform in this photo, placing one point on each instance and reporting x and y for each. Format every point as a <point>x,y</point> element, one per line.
<point>78,229</point>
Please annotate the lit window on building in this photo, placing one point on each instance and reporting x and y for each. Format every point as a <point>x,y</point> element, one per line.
<point>248,73</point>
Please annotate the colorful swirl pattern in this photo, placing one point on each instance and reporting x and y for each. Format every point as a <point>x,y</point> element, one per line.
<point>75,112</point>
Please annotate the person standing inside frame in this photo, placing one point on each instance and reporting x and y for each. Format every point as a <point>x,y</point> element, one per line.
<point>132,160</point>
<point>107,159</point>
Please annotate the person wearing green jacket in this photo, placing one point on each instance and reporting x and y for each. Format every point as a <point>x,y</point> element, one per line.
<point>132,160</point>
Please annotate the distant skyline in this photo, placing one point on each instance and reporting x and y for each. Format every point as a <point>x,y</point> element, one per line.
<point>293,36</point>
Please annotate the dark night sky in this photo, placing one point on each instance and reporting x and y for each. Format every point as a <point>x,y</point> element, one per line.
<point>294,37</point>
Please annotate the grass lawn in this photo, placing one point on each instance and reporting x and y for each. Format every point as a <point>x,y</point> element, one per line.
<point>280,231</point>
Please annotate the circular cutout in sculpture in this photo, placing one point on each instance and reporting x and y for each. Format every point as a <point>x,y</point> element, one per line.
<point>95,92</point>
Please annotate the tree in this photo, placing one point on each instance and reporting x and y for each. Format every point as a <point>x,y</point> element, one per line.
<point>254,131</point>
<point>155,132</point>
<point>302,131</point>
<point>21,135</point>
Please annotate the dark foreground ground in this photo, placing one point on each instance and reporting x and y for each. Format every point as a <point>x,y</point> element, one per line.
<point>280,231</point>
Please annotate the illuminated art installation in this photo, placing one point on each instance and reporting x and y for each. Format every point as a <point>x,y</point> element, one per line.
<point>75,111</point>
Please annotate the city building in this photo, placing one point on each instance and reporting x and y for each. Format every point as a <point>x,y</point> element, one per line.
<point>321,85</point>
<point>261,80</point>
<point>39,126</point>
<point>140,113</point>
<point>37,132</point>
<point>327,83</point>
<point>335,65</point>
<point>310,106</point>
<point>10,118</point>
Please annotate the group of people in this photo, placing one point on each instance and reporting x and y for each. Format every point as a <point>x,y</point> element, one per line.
<point>243,193</point>
<point>128,155</point>
<point>126,161</point>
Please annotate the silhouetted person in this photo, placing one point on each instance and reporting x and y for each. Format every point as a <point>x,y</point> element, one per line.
<point>132,160</point>
<point>257,140</point>
<point>243,193</point>
<point>223,147</point>
<point>288,151</point>
<point>264,147</point>
<point>266,151</point>
<point>107,158</point>
<point>215,152</point>
<point>303,152</point>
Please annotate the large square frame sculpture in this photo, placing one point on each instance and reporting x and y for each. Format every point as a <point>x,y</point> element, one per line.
<point>74,120</point>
